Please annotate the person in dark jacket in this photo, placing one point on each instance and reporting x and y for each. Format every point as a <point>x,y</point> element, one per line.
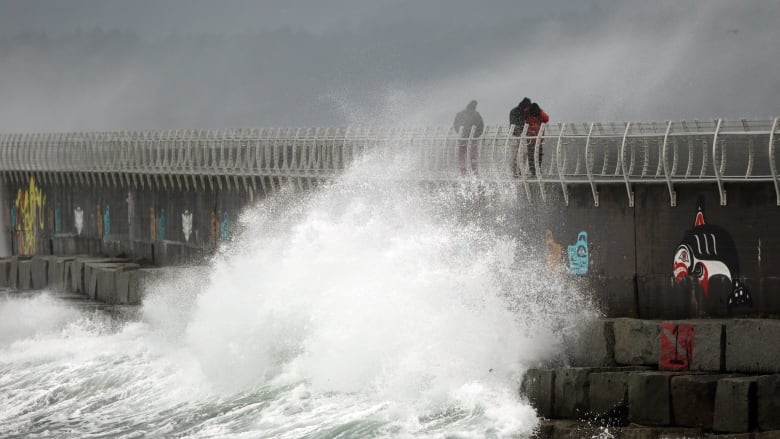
<point>517,119</point>
<point>469,125</point>
<point>535,117</point>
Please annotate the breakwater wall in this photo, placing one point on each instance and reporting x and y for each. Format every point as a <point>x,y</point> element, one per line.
<point>656,220</point>
<point>651,378</point>
<point>652,260</point>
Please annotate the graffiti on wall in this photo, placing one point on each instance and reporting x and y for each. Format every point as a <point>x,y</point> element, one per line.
<point>676,351</point>
<point>224,231</point>
<point>78,219</point>
<point>186,224</point>
<point>30,217</point>
<point>98,220</point>
<point>57,220</point>
<point>576,258</point>
<point>579,255</point>
<point>130,211</point>
<point>707,251</point>
<point>214,228</point>
<point>161,225</point>
<point>152,224</point>
<point>554,252</point>
<point>107,220</point>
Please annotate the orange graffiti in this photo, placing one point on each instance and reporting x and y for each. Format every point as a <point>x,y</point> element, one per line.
<point>214,229</point>
<point>30,210</point>
<point>554,252</point>
<point>152,224</point>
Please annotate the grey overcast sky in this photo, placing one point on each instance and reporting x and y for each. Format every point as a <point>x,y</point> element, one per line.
<point>70,65</point>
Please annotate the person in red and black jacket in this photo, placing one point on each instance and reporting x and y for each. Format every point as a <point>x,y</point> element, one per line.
<point>534,117</point>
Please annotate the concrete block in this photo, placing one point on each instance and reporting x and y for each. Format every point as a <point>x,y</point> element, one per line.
<point>40,272</point>
<point>123,288</point>
<point>5,272</point>
<point>593,344</point>
<point>768,402</point>
<point>25,275</point>
<point>735,405</point>
<point>73,275</point>
<point>649,398</point>
<point>13,273</point>
<point>108,279</point>
<point>64,244</point>
<point>142,250</point>
<point>608,395</point>
<point>637,342</point>
<point>106,284</point>
<point>572,392</point>
<point>140,280</point>
<point>57,272</point>
<point>752,346</point>
<point>774,434</point>
<point>538,387</point>
<point>693,400</point>
<point>709,346</point>
<point>640,432</point>
<point>167,253</point>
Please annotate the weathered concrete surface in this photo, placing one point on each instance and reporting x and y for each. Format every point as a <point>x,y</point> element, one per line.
<point>568,429</point>
<point>572,392</point>
<point>649,398</point>
<point>709,346</point>
<point>24,280</point>
<point>752,345</point>
<point>538,387</point>
<point>5,272</point>
<point>593,344</point>
<point>693,400</point>
<point>608,395</point>
<point>768,402</point>
<point>40,272</point>
<point>735,405</point>
<point>637,342</point>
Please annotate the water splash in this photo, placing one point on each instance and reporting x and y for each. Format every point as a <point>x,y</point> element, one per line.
<point>361,309</point>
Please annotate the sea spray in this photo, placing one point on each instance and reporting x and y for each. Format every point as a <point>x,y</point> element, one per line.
<point>362,308</point>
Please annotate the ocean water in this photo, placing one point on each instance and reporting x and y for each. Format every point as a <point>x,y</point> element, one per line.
<point>363,309</point>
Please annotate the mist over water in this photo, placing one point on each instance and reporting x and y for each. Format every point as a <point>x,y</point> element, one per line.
<point>365,308</point>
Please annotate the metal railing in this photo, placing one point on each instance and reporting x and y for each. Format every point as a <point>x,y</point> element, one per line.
<point>627,153</point>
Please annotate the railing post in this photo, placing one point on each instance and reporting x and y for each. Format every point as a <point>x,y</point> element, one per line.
<point>588,165</point>
<point>664,149</point>
<point>560,164</point>
<point>772,164</point>
<point>721,191</point>
<point>623,166</point>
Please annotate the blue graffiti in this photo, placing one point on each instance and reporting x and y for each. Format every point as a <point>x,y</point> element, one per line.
<point>161,225</point>
<point>13,217</point>
<point>579,255</point>
<point>107,221</point>
<point>223,227</point>
<point>57,220</point>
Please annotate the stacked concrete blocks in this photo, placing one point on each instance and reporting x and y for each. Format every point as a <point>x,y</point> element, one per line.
<point>693,400</point>
<point>752,346</point>
<point>768,402</point>
<point>24,279</point>
<point>637,341</point>
<point>735,405</point>
<point>539,387</point>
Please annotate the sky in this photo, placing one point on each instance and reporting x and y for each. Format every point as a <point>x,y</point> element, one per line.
<point>96,65</point>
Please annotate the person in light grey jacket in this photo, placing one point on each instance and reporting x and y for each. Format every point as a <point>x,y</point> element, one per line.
<point>466,121</point>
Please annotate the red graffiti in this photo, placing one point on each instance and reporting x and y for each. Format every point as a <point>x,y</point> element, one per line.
<point>676,346</point>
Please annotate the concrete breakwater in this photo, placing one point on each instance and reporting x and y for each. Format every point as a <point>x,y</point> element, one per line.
<point>112,281</point>
<point>650,378</point>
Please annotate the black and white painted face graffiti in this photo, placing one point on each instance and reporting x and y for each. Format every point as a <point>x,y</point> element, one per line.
<point>706,251</point>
